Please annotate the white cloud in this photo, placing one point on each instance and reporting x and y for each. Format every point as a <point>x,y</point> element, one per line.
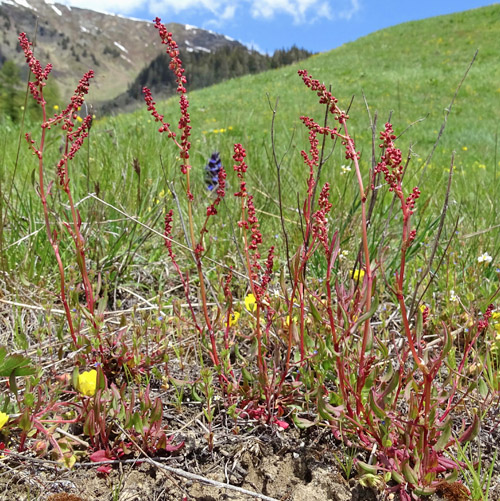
<point>350,10</point>
<point>212,6</point>
<point>301,11</point>
<point>106,6</point>
<point>229,12</point>
<point>253,46</point>
<point>221,11</point>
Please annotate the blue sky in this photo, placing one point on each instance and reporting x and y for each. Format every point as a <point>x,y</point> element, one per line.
<point>316,25</point>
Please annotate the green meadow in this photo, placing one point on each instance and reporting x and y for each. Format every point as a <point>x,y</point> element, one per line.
<point>408,74</point>
<point>438,82</point>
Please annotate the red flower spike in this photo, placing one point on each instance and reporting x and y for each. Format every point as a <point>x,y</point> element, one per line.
<point>184,121</point>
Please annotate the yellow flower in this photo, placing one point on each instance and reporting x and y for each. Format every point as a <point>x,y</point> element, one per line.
<point>56,108</point>
<point>233,319</point>
<point>250,302</point>
<point>87,382</point>
<point>287,320</point>
<point>3,419</point>
<point>79,119</point>
<point>422,307</point>
<point>358,275</point>
<point>464,148</point>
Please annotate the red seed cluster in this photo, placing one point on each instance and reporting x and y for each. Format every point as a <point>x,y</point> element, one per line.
<point>411,198</point>
<point>254,225</point>
<point>221,193</point>
<point>70,113</point>
<point>261,288</point>
<point>485,321</point>
<point>76,140</point>
<point>391,166</point>
<point>325,96</point>
<point>40,74</point>
<point>227,284</point>
<point>173,53</point>
<point>168,231</point>
<point>320,226</point>
<point>178,70</point>
<point>240,168</point>
<point>425,315</point>
<point>151,104</point>
<point>185,119</point>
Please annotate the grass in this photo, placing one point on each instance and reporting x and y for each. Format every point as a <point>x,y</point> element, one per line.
<point>304,358</point>
<point>397,79</point>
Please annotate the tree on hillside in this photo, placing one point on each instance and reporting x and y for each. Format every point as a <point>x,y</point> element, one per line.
<point>10,95</point>
<point>202,70</point>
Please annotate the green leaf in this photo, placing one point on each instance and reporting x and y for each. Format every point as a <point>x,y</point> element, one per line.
<point>393,384</point>
<point>367,387</point>
<point>137,422</point>
<point>384,349</point>
<point>194,394</point>
<point>89,425</point>
<point>368,314</point>
<point>482,387</point>
<point>471,432</point>
<point>397,477</point>
<point>29,399</point>
<point>379,412</point>
<point>25,422</point>
<point>424,491</point>
<point>9,363</point>
<point>74,377</point>
<point>247,376</point>
<point>366,468</point>
<point>444,437</point>
<point>315,313</point>
<point>409,474</point>
<point>451,359</point>
<point>388,375</point>
<point>12,383</point>
<point>344,315</point>
<point>157,412</point>
<point>301,423</point>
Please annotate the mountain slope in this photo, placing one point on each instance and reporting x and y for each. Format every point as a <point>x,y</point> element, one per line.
<point>202,70</point>
<point>408,73</point>
<point>75,40</point>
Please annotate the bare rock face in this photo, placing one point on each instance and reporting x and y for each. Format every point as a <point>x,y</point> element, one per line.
<point>75,40</point>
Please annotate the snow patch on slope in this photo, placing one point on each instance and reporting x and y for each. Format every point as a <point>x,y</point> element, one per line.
<point>121,47</point>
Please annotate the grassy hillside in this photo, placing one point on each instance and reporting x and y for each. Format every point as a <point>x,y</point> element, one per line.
<point>408,72</point>
<point>381,333</point>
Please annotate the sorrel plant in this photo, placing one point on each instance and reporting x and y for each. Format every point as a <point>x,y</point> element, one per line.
<point>394,399</point>
<point>310,345</point>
